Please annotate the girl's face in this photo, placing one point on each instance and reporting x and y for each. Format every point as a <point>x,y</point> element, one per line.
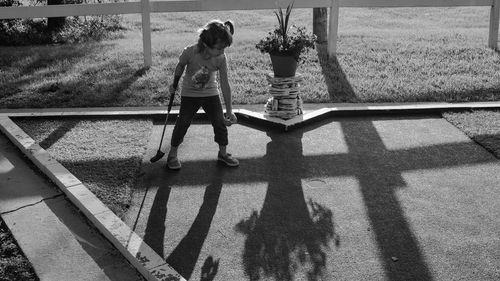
<point>217,50</point>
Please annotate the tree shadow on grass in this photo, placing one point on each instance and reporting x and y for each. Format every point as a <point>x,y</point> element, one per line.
<point>48,78</point>
<point>37,63</point>
<point>31,59</point>
<point>96,92</point>
<point>339,88</point>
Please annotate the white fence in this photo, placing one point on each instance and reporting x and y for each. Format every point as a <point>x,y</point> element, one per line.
<point>146,7</point>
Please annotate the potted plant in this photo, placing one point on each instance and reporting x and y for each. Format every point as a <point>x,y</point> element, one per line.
<point>286,45</point>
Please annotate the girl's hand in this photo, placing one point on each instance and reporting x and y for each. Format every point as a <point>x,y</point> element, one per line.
<point>171,89</point>
<point>232,118</point>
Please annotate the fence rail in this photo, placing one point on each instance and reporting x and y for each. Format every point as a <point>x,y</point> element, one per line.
<point>146,7</point>
<point>216,5</point>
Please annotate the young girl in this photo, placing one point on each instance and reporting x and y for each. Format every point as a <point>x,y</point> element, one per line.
<point>199,88</point>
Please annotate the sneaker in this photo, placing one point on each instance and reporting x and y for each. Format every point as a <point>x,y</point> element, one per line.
<point>228,160</point>
<point>173,163</point>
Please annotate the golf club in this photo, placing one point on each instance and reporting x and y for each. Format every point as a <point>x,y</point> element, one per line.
<point>159,153</point>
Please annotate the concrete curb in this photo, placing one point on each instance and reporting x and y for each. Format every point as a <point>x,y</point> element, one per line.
<point>132,247</point>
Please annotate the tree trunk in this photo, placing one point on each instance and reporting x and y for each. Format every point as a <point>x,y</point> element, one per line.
<point>54,24</point>
<point>320,24</point>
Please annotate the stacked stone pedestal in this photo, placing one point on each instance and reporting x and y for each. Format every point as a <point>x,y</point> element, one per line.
<point>285,102</point>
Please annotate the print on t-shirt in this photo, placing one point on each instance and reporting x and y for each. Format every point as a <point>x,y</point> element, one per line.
<point>200,78</point>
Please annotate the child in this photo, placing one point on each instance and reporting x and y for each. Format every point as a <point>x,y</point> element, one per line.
<point>199,88</point>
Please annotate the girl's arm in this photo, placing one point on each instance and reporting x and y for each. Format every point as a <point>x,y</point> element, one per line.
<point>226,90</point>
<point>179,69</point>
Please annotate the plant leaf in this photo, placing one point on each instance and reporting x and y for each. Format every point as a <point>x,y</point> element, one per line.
<point>283,24</point>
<point>279,20</point>
<point>288,12</point>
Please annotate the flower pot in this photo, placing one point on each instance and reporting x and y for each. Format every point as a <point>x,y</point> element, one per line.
<point>284,66</point>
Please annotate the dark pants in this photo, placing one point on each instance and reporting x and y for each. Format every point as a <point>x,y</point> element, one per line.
<point>189,106</point>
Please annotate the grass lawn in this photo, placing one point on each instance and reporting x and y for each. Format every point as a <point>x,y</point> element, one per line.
<point>384,55</point>
<point>482,126</point>
<point>105,154</point>
<point>13,263</point>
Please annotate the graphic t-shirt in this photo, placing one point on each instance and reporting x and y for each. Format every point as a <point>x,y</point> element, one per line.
<point>200,74</point>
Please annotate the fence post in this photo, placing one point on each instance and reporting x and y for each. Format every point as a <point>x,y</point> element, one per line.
<point>333,28</point>
<point>146,32</point>
<point>320,26</point>
<point>494,21</point>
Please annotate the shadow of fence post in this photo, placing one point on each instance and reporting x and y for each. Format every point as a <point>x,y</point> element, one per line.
<point>339,88</point>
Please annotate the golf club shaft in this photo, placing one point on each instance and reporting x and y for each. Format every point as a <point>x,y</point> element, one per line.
<point>170,102</point>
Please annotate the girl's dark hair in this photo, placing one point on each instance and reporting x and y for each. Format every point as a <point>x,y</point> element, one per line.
<point>216,31</point>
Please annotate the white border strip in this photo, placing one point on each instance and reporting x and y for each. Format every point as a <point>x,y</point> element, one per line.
<point>155,110</point>
<point>308,116</point>
<point>132,247</point>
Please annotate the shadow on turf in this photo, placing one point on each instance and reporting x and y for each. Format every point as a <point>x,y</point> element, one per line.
<point>36,64</point>
<point>339,88</point>
<point>64,125</point>
<point>209,269</point>
<point>490,142</point>
<point>341,91</point>
<point>273,236</point>
<point>291,233</point>
<point>84,90</point>
<point>288,234</point>
<point>185,256</point>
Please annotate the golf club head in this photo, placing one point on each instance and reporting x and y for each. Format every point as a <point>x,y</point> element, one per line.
<point>158,156</point>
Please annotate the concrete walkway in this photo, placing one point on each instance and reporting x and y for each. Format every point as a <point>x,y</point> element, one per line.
<point>56,238</point>
<point>365,198</point>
